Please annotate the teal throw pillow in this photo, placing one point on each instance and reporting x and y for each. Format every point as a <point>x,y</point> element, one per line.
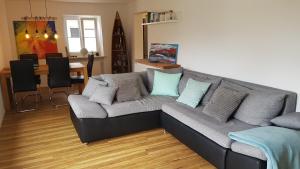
<point>193,92</point>
<point>165,84</point>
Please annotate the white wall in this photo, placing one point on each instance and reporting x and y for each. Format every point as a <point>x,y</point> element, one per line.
<point>3,35</point>
<point>251,40</point>
<point>19,8</point>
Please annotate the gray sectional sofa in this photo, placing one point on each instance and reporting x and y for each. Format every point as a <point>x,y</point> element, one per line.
<point>203,134</point>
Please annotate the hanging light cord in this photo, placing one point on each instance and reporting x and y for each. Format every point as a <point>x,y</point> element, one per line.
<point>36,31</point>
<point>46,8</point>
<point>46,18</point>
<point>30,8</point>
<point>35,18</point>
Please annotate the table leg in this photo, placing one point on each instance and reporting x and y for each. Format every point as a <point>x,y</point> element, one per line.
<point>5,94</point>
<point>80,88</point>
<point>85,74</point>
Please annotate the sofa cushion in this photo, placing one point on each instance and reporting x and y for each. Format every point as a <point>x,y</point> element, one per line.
<point>260,107</point>
<point>104,95</point>
<point>148,103</point>
<point>214,80</point>
<point>165,84</point>
<point>248,111</point>
<point>193,93</point>
<point>289,120</point>
<point>208,126</point>
<point>83,108</point>
<point>290,100</point>
<point>128,90</point>
<point>248,150</point>
<point>115,79</point>
<point>239,87</point>
<point>223,103</point>
<point>91,87</point>
<point>150,74</point>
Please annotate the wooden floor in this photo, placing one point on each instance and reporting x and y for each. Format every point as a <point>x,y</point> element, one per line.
<point>47,139</point>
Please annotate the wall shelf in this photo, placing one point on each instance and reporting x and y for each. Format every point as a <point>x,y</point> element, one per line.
<point>157,65</point>
<point>160,22</point>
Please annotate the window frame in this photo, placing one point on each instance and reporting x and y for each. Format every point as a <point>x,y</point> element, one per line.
<point>81,19</point>
<point>96,32</point>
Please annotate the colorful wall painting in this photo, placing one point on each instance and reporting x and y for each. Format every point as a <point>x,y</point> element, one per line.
<point>36,43</point>
<point>165,53</point>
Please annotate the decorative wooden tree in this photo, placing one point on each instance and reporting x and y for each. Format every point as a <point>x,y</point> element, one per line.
<point>120,59</point>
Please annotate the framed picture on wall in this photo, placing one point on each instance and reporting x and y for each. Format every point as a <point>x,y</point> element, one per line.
<point>36,43</point>
<point>163,53</point>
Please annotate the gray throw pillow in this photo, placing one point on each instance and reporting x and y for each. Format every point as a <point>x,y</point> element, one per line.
<point>150,74</point>
<point>104,95</point>
<point>260,107</point>
<point>289,120</point>
<point>91,87</point>
<point>235,86</point>
<point>213,80</point>
<point>223,103</point>
<point>115,79</point>
<point>128,90</point>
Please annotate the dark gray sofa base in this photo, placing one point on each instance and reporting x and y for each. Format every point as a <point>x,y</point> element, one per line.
<point>206,148</point>
<point>93,129</point>
<point>217,155</point>
<point>237,161</point>
<point>90,129</point>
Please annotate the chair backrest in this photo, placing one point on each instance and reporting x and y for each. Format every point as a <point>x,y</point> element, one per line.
<point>53,55</point>
<point>22,73</point>
<point>90,65</point>
<point>33,57</point>
<point>59,72</point>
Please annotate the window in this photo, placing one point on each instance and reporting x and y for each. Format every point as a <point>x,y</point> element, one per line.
<point>83,32</point>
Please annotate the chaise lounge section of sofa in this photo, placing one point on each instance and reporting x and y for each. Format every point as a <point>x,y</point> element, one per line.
<point>93,122</point>
<point>203,134</point>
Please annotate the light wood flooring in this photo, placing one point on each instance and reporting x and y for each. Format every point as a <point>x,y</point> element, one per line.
<point>47,139</point>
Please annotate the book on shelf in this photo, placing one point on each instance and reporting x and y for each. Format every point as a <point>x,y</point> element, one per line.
<point>159,16</point>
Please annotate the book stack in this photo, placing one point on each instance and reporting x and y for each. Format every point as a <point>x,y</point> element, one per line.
<point>159,16</point>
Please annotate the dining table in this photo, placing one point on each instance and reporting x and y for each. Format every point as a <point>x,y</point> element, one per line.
<point>5,75</point>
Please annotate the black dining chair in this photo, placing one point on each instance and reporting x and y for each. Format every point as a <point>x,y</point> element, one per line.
<point>58,77</point>
<point>53,55</point>
<point>23,80</point>
<point>34,58</point>
<point>90,65</point>
<point>80,79</point>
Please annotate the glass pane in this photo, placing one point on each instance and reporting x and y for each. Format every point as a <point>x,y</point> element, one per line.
<point>89,33</point>
<point>90,44</point>
<point>75,32</point>
<point>73,28</point>
<point>73,23</point>
<point>89,24</point>
<point>74,44</point>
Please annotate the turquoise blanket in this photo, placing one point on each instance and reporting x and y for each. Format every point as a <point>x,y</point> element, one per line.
<point>280,145</point>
